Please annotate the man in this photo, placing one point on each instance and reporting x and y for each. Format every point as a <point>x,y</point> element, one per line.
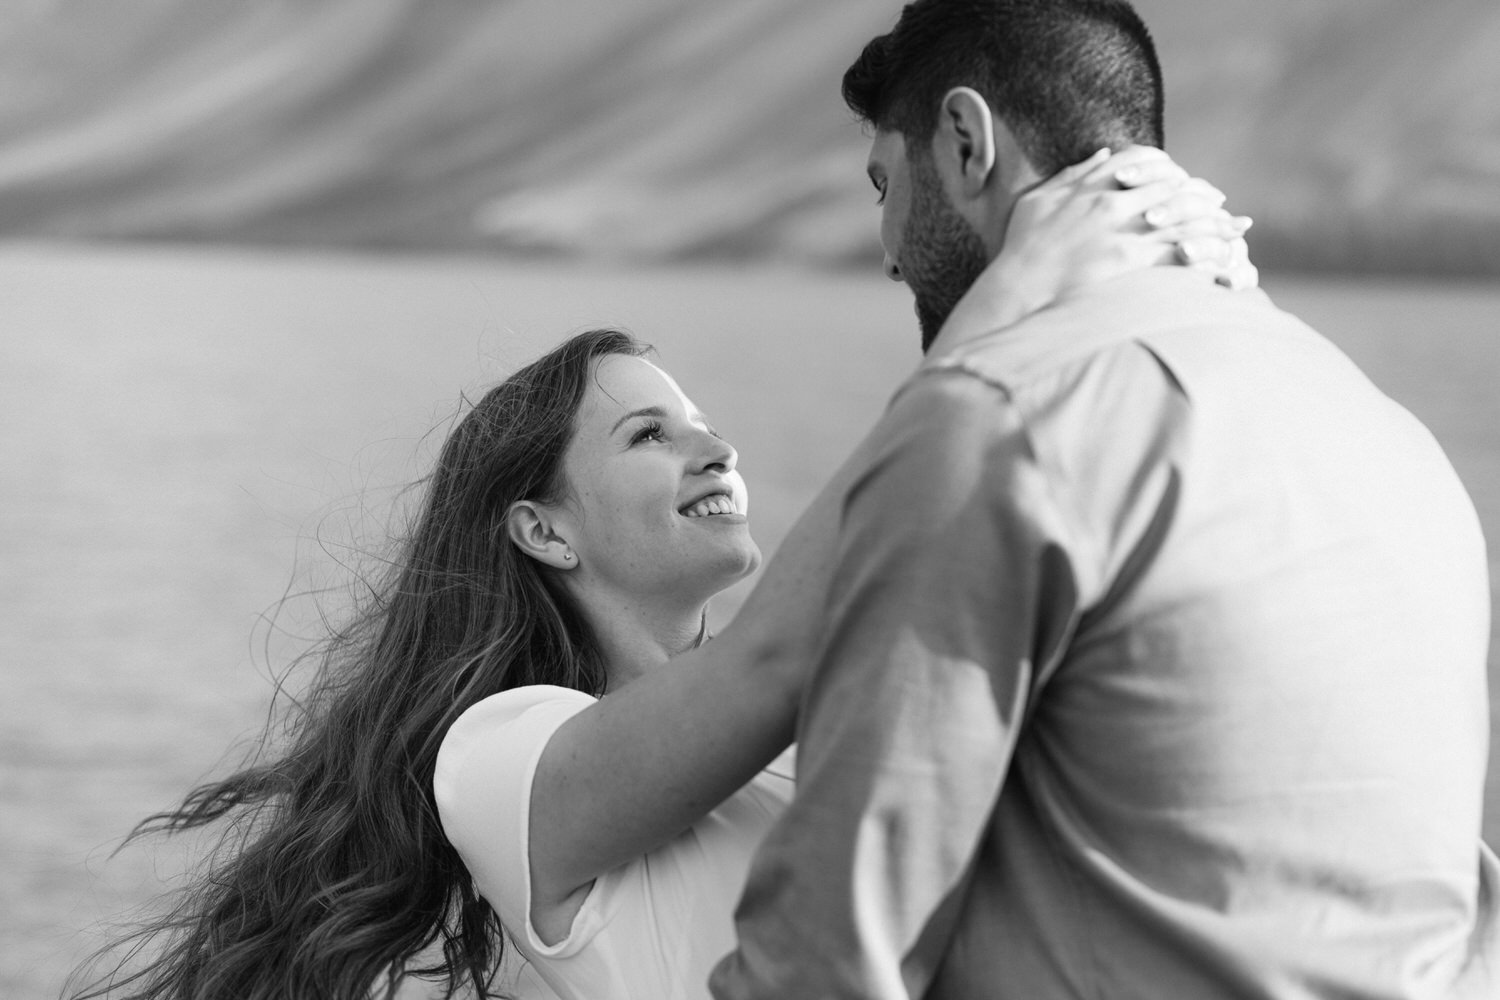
<point>1154,659</point>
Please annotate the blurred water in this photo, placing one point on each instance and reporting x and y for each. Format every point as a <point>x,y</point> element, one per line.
<point>189,436</point>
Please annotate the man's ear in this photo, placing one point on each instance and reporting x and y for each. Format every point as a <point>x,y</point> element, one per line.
<point>965,141</point>
<point>532,530</point>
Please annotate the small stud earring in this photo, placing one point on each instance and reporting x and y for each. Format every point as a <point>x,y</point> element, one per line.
<point>568,556</point>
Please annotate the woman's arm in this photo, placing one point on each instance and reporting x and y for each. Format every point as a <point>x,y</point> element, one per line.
<point>628,773</point>
<point>625,775</point>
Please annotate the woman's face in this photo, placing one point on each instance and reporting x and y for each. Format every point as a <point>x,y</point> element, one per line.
<point>656,510</point>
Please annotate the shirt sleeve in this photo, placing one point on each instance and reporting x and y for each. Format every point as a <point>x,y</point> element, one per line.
<point>482,784</point>
<point>953,593</point>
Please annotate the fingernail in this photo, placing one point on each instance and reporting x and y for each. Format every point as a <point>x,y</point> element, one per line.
<point>1127,174</point>
<point>1243,222</point>
<point>1156,216</point>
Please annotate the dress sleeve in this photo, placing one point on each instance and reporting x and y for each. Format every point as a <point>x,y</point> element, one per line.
<point>950,593</point>
<point>482,784</point>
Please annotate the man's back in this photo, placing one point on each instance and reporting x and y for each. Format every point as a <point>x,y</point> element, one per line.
<point>1264,748</point>
<point>1214,623</point>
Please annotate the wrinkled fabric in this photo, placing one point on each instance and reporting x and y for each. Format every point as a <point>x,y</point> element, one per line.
<point>651,928</point>
<point>1154,667</point>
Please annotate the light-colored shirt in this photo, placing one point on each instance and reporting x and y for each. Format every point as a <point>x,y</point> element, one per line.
<point>1154,668</point>
<point>651,928</point>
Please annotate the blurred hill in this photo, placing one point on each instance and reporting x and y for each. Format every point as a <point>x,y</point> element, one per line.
<point>1361,134</point>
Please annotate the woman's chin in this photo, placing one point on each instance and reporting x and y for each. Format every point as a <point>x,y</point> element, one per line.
<point>752,559</point>
<point>746,561</point>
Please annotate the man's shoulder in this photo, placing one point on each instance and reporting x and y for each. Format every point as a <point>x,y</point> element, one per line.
<point>1105,322</point>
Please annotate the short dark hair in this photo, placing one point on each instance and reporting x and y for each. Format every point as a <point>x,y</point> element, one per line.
<point>1068,76</point>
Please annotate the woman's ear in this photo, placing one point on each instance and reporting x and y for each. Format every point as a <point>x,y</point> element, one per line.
<point>531,529</point>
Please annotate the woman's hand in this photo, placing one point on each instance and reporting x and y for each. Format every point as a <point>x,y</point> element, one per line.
<point>1190,217</point>
<point>1104,217</point>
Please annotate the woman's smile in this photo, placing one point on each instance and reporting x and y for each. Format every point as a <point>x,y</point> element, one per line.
<point>643,463</point>
<point>716,505</point>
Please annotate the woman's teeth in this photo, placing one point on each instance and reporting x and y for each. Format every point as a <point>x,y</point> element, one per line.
<point>718,504</point>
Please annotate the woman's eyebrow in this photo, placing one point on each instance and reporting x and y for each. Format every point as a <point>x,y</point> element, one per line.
<point>645,411</point>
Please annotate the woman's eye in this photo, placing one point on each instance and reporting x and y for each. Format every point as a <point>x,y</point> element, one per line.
<point>649,432</point>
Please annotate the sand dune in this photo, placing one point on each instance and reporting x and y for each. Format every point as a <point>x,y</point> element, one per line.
<point>1360,133</point>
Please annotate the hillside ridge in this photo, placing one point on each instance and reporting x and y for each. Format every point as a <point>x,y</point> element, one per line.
<point>1361,134</point>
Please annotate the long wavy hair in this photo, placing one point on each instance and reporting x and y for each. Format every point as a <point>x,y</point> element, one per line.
<point>333,878</point>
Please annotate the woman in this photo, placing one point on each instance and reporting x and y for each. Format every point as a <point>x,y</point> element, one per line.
<point>458,756</point>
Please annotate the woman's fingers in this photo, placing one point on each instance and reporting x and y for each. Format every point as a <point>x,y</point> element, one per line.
<point>1193,200</point>
<point>1217,246</point>
<point>1146,162</point>
<point>1140,164</point>
<point>1079,170</point>
<point>1130,205</point>
<point>1149,171</point>
<point>1081,224</point>
<point>1208,251</point>
<point>1227,260</point>
<point>1241,273</point>
<point>1217,224</point>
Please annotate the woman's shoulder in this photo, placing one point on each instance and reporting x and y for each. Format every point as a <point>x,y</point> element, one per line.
<point>505,707</point>
<point>482,788</point>
<point>507,727</point>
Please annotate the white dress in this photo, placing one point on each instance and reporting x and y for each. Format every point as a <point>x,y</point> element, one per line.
<point>652,928</point>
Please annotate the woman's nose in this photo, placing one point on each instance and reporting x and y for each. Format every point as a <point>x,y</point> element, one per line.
<point>716,453</point>
<point>891,270</point>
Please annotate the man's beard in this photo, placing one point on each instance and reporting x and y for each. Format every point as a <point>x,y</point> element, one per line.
<point>941,254</point>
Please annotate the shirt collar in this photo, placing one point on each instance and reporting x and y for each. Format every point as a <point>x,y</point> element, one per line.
<point>1085,320</point>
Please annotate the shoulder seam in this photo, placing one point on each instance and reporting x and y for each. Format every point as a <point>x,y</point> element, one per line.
<point>956,367</point>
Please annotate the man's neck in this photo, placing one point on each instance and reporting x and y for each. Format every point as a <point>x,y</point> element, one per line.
<point>996,300</point>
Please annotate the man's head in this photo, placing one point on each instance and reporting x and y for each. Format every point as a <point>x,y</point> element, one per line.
<point>975,101</point>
